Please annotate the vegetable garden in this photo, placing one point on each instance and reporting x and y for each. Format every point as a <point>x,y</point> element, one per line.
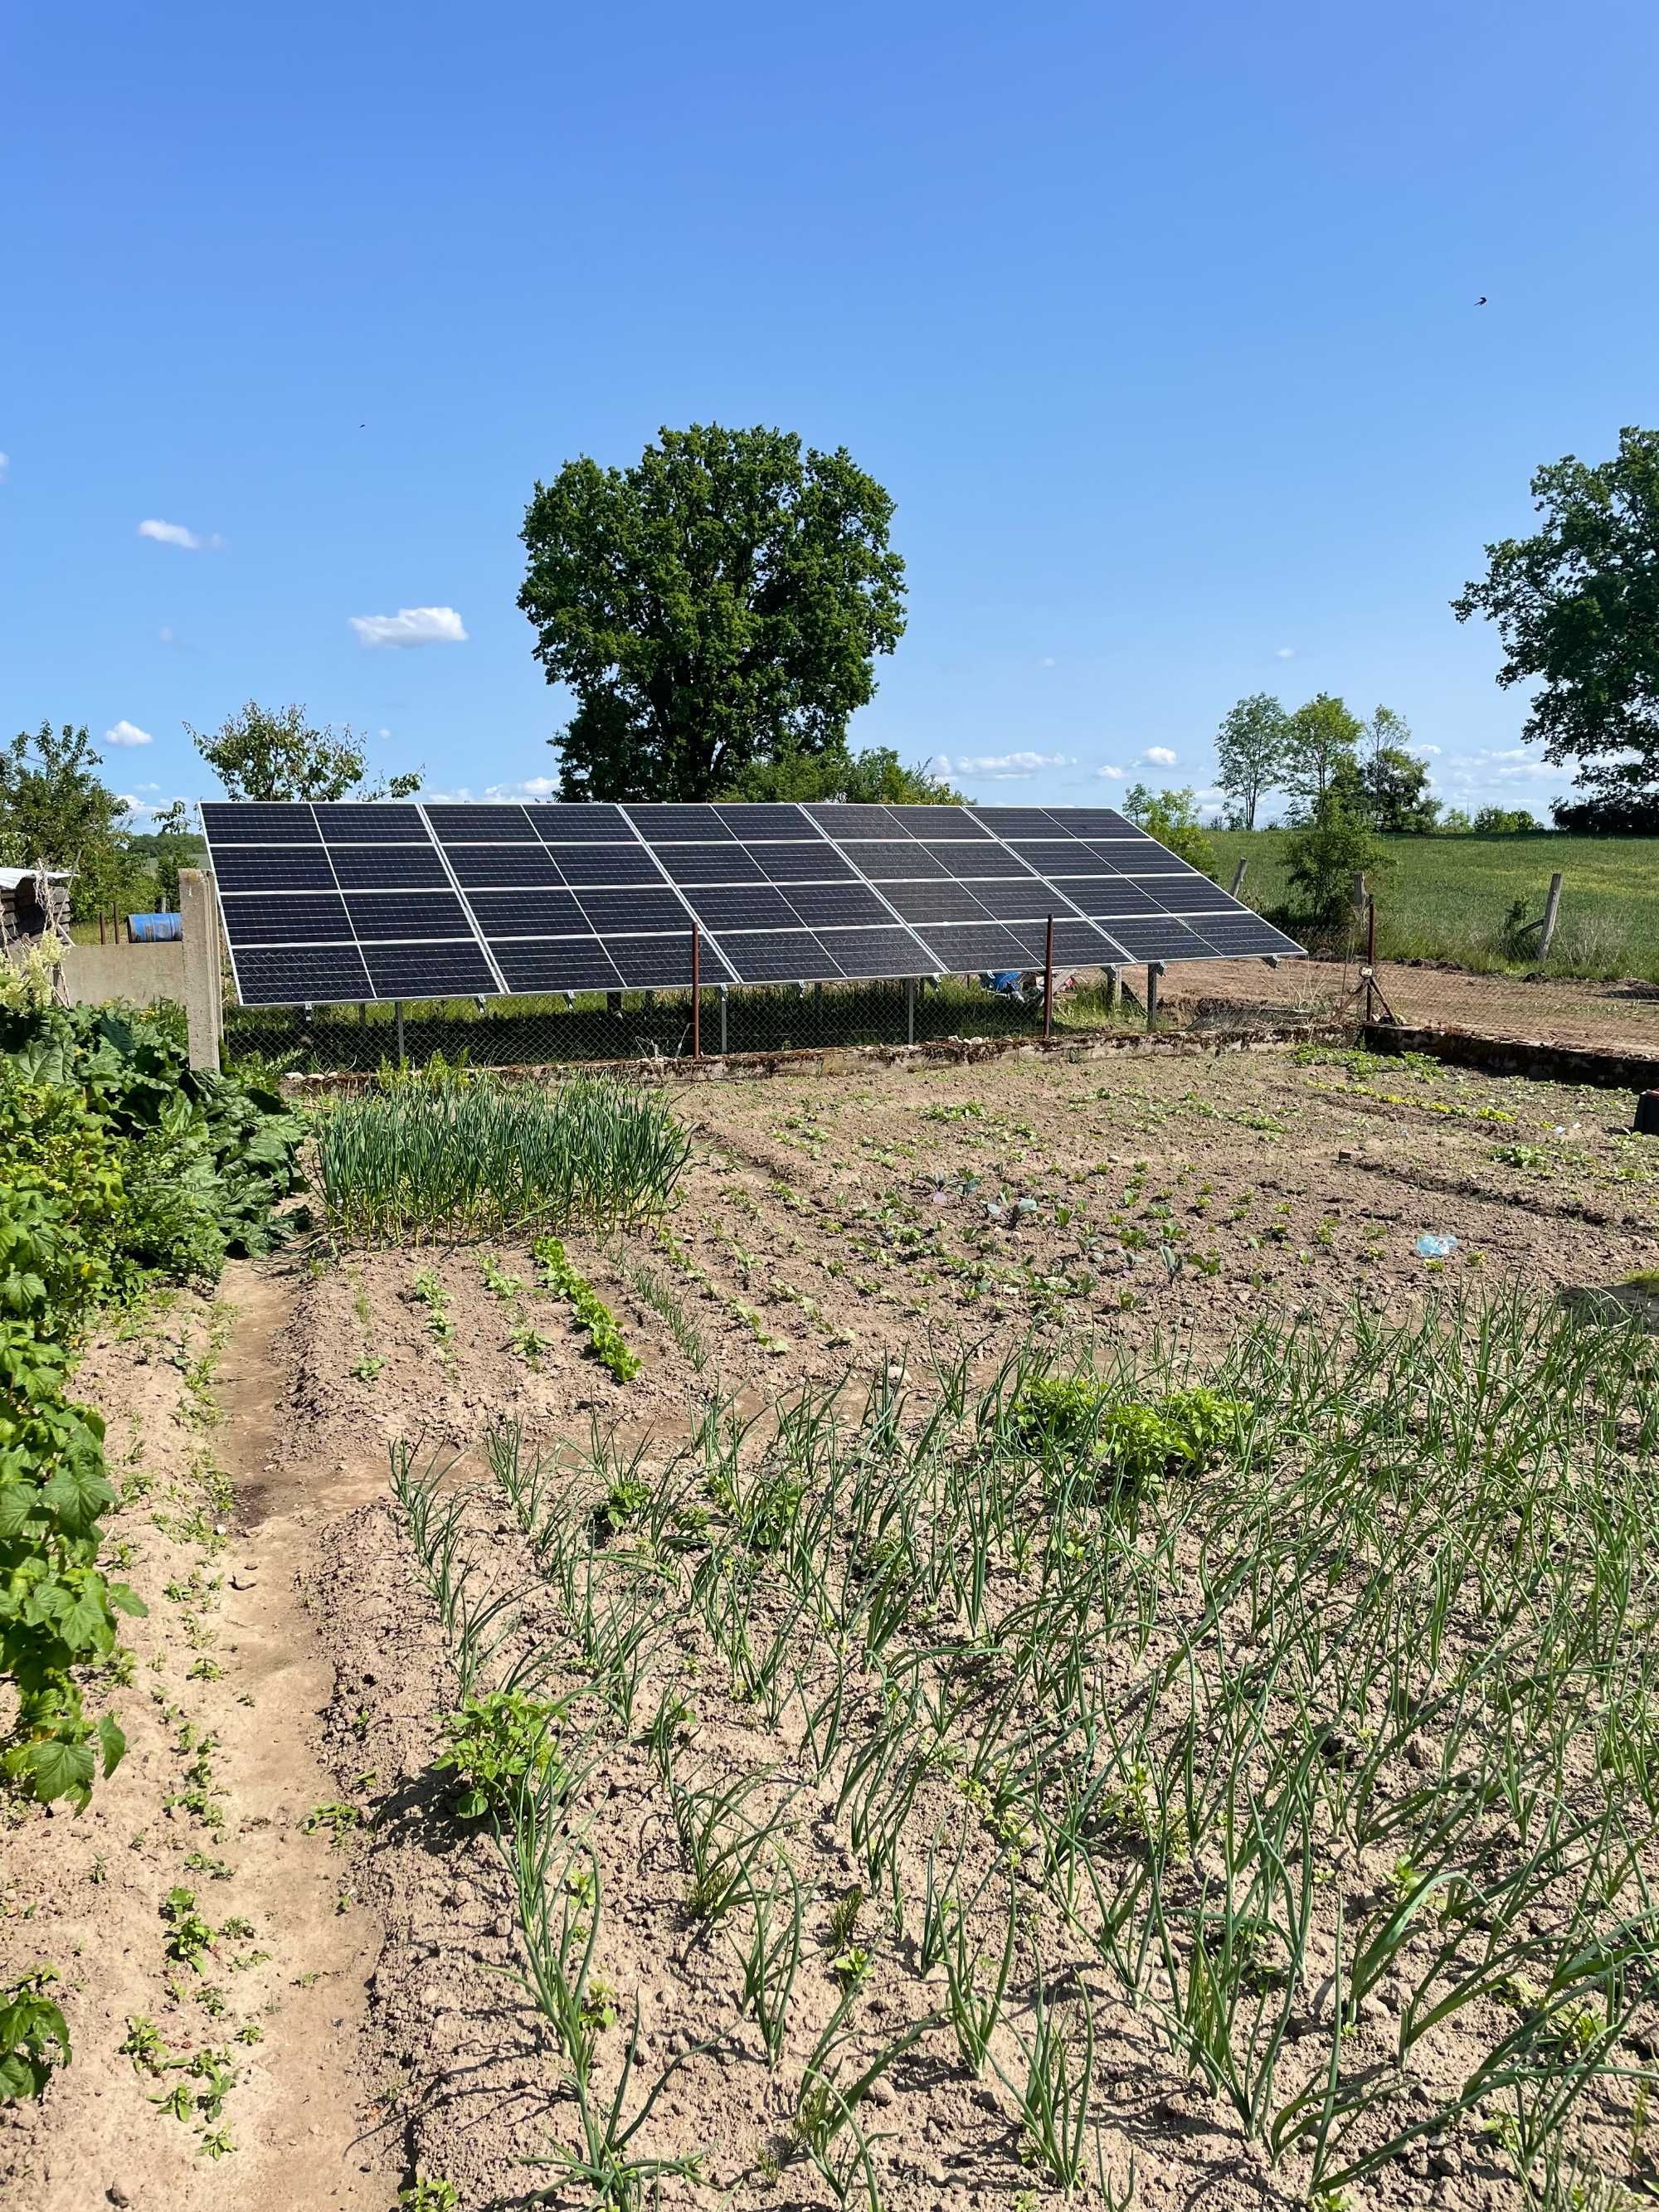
<point>1017,1633</point>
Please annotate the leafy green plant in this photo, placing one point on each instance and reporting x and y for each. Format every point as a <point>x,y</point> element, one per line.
<point>497,1745</point>
<point>34,2040</point>
<point>604,1338</point>
<point>1132,1445</point>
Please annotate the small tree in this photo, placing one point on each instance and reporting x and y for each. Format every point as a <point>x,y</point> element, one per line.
<point>1389,790</point>
<point>1505,821</point>
<point>54,804</point>
<point>1250,750</point>
<point>876,776</point>
<point>267,753</point>
<point>1322,735</point>
<point>1324,855</point>
<point>1172,817</point>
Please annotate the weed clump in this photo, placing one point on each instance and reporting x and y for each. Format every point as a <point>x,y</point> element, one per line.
<point>1135,1447</point>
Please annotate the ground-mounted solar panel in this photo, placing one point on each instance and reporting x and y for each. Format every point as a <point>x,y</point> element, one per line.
<point>782,955</point>
<point>365,822</point>
<point>730,863</point>
<point>302,918</point>
<point>502,867</point>
<point>351,899</point>
<point>258,822</point>
<point>274,868</point>
<point>567,964</point>
<point>302,975</point>
<point>862,953</point>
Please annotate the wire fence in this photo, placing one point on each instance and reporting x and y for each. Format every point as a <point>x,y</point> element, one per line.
<point>1338,985</point>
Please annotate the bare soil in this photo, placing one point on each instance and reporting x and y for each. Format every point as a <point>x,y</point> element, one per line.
<point>826,1227</point>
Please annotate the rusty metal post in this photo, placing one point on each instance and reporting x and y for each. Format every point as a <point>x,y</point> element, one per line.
<point>696,991</point>
<point>1370,960</point>
<point>1048,983</point>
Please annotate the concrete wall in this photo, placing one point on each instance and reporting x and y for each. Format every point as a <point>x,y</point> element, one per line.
<point>140,974</point>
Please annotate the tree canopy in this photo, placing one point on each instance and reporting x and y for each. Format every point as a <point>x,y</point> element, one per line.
<point>875,776</point>
<point>717,606</point>
<point>1172,817</point>
<point>1250,750</point>
<point>1577,606</point>
<point>275,753</point>
<point>54,804</point>
<point>1320,736</point>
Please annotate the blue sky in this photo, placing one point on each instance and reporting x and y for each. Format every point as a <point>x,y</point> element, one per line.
<point>1159,325</point>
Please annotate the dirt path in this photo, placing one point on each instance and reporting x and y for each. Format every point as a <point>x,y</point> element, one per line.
<point>223,1711</point>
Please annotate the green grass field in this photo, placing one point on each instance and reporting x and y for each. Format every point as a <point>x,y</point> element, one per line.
<point>1447,898</point>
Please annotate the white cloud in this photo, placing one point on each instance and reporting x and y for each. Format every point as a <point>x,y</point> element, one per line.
<point>127,733</point>
<point>410,626</point>
<point>1112,775</point>
<point>383,733</point>
<point>533,786</point>
<point>5,466</point>
<point>145,809</point>
<point>147,787</point>
<point>175,533</point>
<point>1428,752</point>
<point>1047,661</point>
<point>1286,652</point>
<point>1002,768</point>
<point>1477,771</point>
<point>1159,757</point>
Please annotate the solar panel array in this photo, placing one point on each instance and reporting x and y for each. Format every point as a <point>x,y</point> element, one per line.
<point>353,900</point>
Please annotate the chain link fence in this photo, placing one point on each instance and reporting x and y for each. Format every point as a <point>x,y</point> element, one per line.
<point>658,1025</point>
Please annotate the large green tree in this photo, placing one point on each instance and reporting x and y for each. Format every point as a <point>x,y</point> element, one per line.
<point>1320,736</point>
<point>717,605</point>
<point>1250,750</point>
<point>275,753</point>
<point>1576,607</point>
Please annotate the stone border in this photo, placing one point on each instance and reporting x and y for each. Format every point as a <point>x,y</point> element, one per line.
<point>1529,1056</point>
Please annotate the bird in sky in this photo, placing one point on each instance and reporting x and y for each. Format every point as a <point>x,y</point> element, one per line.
<point>1481,301</point>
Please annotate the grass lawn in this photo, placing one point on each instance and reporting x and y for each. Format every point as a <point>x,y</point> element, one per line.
<point>1446,898</point>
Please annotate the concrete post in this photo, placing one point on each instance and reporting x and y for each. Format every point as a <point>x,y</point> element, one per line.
<point>1551,913</point>
<point>204,994</point>
<point>1238,877</point>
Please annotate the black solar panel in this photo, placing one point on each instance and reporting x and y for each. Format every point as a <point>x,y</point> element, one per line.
<point>273,868</point>
<point>427,971</point>
<point>388,867</point>
<point>782,955</point>
<point>479,825</point>
<point>499,866</point>
<point>602,864</point>
<point>352,900</point>
<point>527,914</point>
<point>876,952</point>
<point>356,821</point>
<point>258,822</point>
<point>576,964</point>
<point>303,975</point>
<point>305,917</point>
<point>390,914</point>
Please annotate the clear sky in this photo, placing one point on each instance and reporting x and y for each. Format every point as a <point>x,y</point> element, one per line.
<point>1159,323</point>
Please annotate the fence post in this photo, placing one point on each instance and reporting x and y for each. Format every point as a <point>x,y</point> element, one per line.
<point>397,1018</point>
<point>1239,878</point>
<point>1154,969</point>
<point>198,925</point>
<point>1048,983</point>
<point>1370,960</point>
<point>1111,990</point>
<point>909,1010</point>
<point>696,991</point>
<point>1552,909</point>
<point>1361,893</point>
<point>723,999</point>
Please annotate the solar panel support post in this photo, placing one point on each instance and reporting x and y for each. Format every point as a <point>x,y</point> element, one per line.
<point>696,991</point>
<point>1154,971</point>
<point>1048,983</point>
